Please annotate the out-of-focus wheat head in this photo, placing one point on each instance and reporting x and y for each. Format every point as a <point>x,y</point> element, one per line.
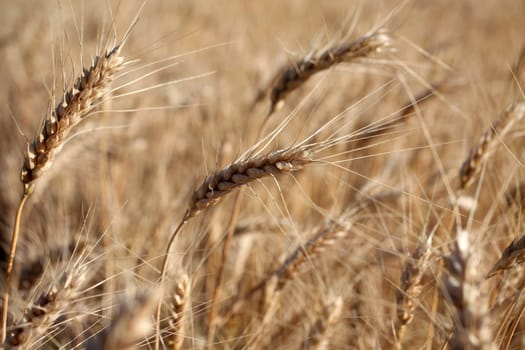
<point>329,214</point>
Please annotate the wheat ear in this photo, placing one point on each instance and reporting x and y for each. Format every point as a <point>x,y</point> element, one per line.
<point>290,78</point>
<point>245,171</point>
<point>87,92</point>
<point>77,103</point>
<point>462,289</point>
<point>276,280</point>
<point>45,310</point>
<point>411,287</point>
<point>489,142</point>
<point>241,172</point>
<point>512,255</point>
<point>324,326</point>
<point>179,303</point>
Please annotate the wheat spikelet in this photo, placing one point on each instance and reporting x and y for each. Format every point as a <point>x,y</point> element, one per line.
<point>132,325</point>
<point>47,308</point>
<point>296,75</point>
<point>489,143</point>
<point>88,90</point>
<point>411,286</point>
<point>244,171</point>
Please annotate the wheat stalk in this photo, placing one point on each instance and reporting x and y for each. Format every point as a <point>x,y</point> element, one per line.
<point>224,181</point>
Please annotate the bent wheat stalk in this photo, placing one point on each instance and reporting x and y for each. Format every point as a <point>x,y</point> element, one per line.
<point>89,89</point>
<point>224,181</point>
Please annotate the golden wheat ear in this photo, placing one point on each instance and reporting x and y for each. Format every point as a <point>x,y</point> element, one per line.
<point>512,256</point>
<point>245,171</point>
<point>292,77</point>
<point>489,142</point>
<point>89,90</point>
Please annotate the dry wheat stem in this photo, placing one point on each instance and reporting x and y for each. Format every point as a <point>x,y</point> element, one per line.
<point>296,75</point>
<point>10,263</point>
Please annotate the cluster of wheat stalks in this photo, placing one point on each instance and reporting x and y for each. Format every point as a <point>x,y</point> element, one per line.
<point>223,189</point>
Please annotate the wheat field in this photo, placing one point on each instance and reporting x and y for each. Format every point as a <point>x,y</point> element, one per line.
<point>262,174</point>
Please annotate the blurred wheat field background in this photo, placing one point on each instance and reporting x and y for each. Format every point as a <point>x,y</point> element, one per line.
<point>273,174</point>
